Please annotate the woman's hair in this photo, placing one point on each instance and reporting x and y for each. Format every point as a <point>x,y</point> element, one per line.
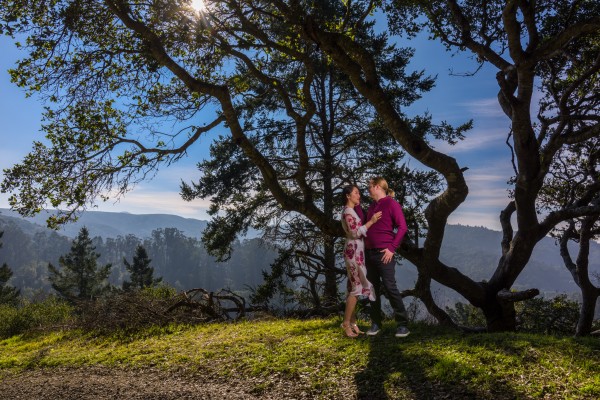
<point>346,192</point>
<point>378,180</point>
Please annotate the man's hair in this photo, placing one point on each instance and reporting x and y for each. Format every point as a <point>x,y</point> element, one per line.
<point>382,183</point>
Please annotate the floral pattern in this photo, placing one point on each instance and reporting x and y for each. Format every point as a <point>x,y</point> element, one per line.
<point>354,255</point>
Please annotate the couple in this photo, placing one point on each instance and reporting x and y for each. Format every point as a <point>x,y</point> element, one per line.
<point>383,231</point>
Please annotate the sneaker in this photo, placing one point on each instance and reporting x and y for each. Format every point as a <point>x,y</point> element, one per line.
<point>373,330</point>
<point>402,331</point>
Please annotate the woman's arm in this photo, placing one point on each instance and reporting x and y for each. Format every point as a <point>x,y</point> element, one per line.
<point>355,229</point>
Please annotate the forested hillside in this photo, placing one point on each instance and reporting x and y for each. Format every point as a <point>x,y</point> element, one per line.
<point>180,260</point>
<point>183,262</point>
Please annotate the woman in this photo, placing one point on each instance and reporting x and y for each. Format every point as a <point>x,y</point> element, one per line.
<point>354,257</point>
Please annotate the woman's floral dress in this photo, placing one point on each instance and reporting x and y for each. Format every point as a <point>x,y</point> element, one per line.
<point>354,255</point>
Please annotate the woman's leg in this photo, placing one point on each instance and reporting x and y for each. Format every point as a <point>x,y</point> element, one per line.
<point>348,315</point>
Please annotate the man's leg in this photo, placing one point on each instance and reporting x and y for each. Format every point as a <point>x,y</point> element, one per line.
<point>375,279</point>
<point>388,280</point>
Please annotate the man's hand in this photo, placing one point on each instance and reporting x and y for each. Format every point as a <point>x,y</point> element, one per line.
<point>387,256</point>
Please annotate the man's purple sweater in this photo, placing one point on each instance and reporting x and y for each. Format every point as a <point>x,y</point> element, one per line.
<point>389,231</point>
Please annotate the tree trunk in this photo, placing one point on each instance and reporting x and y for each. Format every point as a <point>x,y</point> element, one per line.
<point>580,270</point>
<point>330,292</point>
<point>500,316</point>
<point>589,292</point>
<point>588,307</point>
<point>423,293</point>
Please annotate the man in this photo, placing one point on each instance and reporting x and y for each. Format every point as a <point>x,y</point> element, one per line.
<point>381,243</point>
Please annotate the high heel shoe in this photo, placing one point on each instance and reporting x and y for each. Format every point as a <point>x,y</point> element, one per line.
<point>348,331</point>
<point>356,329</point>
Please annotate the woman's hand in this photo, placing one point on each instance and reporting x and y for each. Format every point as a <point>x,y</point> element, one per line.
<point>376,217</point>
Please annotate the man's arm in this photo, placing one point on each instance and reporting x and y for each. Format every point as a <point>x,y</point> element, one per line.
<point>400,222</point>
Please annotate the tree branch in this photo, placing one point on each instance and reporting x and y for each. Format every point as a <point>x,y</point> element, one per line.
<point>508,296</point>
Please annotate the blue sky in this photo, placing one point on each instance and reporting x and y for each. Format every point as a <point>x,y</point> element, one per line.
<point>455,99</point>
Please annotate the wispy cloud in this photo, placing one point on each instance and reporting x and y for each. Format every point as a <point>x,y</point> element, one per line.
<point>493,199</point>
<point>4,201</point>
<point>149,198</point>
<point>161,195</point>
<point>490,108</point>
<point>490,122</point>
<point>142,201</point>
<point>491,126</point>
<point>488,195</point>
<point>477,139</point>
<point>483,108</point>
<point>185,169</point>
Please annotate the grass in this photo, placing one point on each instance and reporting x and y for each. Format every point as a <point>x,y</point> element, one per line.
<point>316,358</point>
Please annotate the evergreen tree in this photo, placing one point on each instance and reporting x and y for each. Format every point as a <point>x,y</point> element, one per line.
<point>141,273</point>
<point>8,294</point>
<point>79,276</point>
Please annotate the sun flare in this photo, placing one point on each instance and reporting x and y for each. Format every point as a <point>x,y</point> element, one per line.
<point>198,5</point>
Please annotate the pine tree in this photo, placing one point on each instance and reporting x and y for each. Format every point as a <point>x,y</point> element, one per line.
<point>141,273</point>
<point>79,276</point>
<point>8,294</point>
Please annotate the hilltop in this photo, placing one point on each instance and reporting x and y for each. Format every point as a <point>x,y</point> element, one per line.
<point>111,225</point>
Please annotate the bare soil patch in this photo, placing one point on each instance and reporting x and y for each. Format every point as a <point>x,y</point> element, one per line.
<point>100,383</point>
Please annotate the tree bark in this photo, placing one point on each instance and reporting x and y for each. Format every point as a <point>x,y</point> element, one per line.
<point>580,271</point>
<point>331,289</point>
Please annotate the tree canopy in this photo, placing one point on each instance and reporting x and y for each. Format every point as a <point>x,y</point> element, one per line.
<point>344,143</point>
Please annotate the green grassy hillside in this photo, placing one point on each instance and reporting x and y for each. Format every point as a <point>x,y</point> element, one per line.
<point>315,359</point>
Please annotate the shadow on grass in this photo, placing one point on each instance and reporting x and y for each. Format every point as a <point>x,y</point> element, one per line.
<point>394,372</point>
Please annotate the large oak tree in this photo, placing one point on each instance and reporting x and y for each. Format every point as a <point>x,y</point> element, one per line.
<point>537,47</point>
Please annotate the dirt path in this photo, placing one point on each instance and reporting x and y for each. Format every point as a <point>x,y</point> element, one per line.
<point>108,383</point>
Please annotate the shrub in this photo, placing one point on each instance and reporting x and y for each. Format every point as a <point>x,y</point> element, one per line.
<point>34,316</point>
<point>157,306</point>
<point>556,315</point>
<point>127,310</point>
<point>466,315</point>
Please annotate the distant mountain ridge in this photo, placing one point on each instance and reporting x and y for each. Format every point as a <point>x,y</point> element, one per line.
<point>112,225</point>
<point>474,251</point>
<point>172,243</point>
